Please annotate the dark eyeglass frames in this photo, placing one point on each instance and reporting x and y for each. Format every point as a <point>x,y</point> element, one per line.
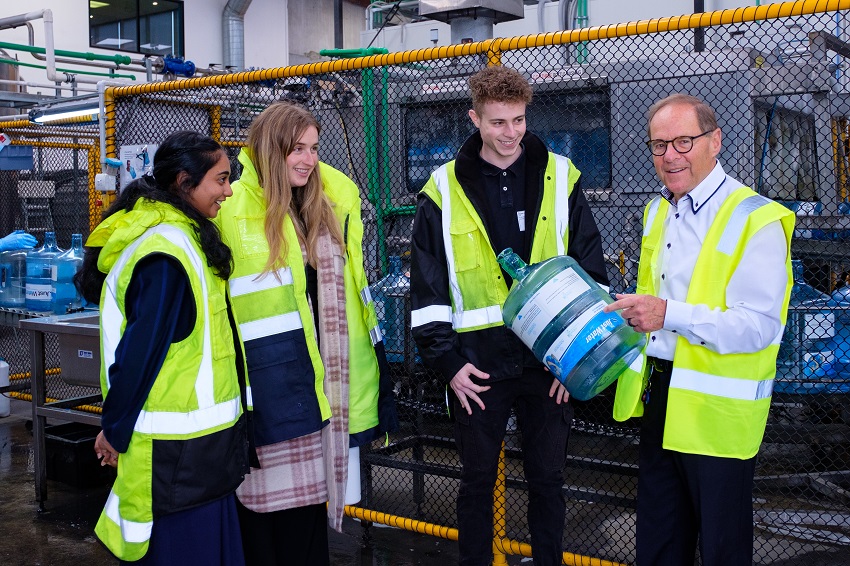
<point>682,144</point>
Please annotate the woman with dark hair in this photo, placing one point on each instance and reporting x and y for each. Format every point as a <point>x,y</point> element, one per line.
<point>172,366</point>
<point>313,349</point>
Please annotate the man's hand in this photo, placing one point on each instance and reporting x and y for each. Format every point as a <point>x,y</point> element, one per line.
<point>465,389</point>
<point>559,392</point>
<point>644,313</point>
<point>107,455</point>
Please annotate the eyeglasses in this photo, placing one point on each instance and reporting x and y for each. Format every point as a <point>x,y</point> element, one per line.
<point>682,144</point>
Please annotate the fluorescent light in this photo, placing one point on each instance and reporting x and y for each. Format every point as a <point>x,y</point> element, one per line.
<point>64,113</point>
<point>155,46</point>
<point>96,4</point>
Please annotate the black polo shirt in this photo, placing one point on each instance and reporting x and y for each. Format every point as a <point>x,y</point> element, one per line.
<point>500,199</point>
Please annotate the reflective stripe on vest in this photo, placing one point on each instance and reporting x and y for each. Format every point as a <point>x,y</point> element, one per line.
<point>735,227</point>
<point>253,283</point>
<point>732,388</point>
<point>131,531</point>
<point>375,332</point>
<point>729,387</point>
<point>651,211</point>
<point>263,282</point>
<point>209,413</point>
<point>433,313</point>
<point>562,201</point>
<point>461,318</point>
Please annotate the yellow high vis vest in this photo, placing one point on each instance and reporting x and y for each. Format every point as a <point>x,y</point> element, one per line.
<point>195,394</point>
<point>475,278</point>
<point>718,403</point>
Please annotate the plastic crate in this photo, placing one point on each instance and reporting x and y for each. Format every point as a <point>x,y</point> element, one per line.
<point>69,449</point>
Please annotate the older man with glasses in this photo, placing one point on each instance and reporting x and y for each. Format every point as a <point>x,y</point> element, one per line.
<point>712,294</point>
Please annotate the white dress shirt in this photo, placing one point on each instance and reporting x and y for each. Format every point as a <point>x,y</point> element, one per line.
<point>754,296</point>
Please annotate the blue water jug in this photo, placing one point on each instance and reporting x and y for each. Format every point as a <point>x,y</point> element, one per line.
<point>555,308</point>
<point>13,269</point>
<point>65,295</point>
<point>39,281</point>
<point>805,353</point>
<point>390,294</point>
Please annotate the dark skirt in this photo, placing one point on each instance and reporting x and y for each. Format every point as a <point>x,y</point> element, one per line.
<point>292,537</point>
<point>207,535</point>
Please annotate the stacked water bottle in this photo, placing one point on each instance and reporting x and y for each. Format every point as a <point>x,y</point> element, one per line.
<point>40,279</point>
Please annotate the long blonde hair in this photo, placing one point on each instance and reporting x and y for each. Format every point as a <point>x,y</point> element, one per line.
<point>271,139</point>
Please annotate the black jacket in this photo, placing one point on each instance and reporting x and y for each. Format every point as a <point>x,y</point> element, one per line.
<point>497,351</point>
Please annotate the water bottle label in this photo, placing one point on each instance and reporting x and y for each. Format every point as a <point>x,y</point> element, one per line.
<point>53,272</point>
<point>579,338</point>
<point>37,292</point>
<point>547,303</point>
<point>820,326</point>
<point>817,364</point>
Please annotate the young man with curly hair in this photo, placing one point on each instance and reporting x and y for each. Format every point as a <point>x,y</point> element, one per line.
<point>503,190</point>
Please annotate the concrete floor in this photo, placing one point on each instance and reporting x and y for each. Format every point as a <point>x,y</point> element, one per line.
<point>62,535</point>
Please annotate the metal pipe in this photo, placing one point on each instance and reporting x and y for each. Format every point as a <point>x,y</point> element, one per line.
<point>45,85</point>
<point>233,33</point>
<point>116,59</point>
<point>699,33</point>
<point>338,24</point>
<point>101,117</point>
<point>90,73</point>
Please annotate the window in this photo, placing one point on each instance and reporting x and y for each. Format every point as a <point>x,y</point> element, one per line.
<point>150,27</point>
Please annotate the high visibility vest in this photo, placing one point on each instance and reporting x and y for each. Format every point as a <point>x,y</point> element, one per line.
<point>717,403</point>
<point>275,303</point>
<point>475,279</point>
<point>195,394</point>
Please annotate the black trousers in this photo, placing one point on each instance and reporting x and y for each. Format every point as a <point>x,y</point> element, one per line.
<point>688,498</point>
<point>292,537</point>
<point>545,429</point>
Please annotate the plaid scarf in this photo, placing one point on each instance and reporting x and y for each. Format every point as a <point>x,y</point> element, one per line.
<point>313,468</point>
<point>333,346</point>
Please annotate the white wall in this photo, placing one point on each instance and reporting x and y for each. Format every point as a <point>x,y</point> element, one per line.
<point>269,26</point>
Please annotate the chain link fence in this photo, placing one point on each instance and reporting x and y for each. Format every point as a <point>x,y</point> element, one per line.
<point>777,78</point>
<point>46,185</point>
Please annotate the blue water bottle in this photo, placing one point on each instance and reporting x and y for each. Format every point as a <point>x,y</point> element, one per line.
<point>65,296</point>
<point>39,281</point>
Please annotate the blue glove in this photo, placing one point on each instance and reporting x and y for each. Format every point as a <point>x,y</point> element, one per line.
<point>17,240</point>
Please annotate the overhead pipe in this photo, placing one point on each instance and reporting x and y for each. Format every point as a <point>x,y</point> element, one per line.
<point>90,73</point>
<point>233,33</point>
<point>23,83</point>
<point>49,47</point>
<point>136,65</point>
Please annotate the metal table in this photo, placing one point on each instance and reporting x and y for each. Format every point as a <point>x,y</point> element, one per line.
<point>78,331</point>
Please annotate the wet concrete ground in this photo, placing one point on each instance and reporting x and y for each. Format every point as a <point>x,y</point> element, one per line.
<point>62,535</point>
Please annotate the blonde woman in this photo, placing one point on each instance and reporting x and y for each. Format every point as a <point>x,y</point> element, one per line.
<point>301,302</point>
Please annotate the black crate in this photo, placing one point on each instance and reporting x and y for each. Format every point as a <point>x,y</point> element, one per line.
<point>69,449</point>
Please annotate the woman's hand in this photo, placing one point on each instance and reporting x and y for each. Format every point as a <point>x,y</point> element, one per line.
<point>107,455</point>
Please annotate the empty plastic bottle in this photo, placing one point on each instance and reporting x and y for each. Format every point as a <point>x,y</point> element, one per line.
<point>13,269</point>
<point>39,282</point>
<point>65,295</point>
<point>389,294</point>
<point>556,309</point>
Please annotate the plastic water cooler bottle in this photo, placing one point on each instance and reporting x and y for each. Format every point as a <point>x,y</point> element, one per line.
<point>65,266</point>
<point>39,282</point>
<point>556,309</point>
<point>389,294</point>
<point>13,269</point>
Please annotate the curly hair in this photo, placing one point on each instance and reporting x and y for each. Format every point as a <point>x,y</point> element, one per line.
<point>498,84</point>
